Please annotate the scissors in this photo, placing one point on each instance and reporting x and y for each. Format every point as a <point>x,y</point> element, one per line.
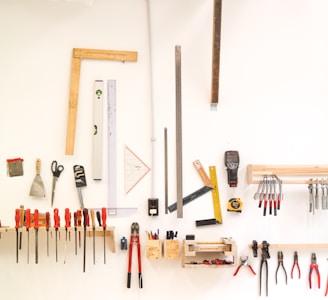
<point>56,171</point>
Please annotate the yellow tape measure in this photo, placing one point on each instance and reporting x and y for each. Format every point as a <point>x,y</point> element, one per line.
<point>215,195</point>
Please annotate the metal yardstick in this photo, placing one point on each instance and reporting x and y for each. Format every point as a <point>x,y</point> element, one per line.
<point>80,181</point>
<point>36,228</point>
<point>17,217</point>
<point>56,225</point>
<point>28,226</point>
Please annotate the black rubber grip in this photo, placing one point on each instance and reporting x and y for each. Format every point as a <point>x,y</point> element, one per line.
<point>129,280</point>
<point>140,280</point>
<point>206,222</point>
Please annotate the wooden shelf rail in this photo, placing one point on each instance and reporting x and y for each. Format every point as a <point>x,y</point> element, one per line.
<point>99,232</point>
<point>297,174</point>
<point>292,246</point>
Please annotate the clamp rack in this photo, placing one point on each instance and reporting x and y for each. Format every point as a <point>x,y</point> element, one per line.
<point>291,171</point>
<point>194,253</point>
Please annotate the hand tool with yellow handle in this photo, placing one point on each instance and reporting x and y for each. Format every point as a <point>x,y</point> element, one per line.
<point>28,226</point>
<point>67,225</point>
<point>47,229</point>
<point>104,217</point>
<point>36,228</point>
<point>92,213</point>
<point>37,187</point>
<point>85,223</point>
<point>17,217</point>
<point>56,226</point>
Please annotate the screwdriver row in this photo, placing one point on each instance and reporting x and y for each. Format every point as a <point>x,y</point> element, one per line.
<point>28,220</point>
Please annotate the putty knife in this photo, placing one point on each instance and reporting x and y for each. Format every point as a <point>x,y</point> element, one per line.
<point>37,187</point>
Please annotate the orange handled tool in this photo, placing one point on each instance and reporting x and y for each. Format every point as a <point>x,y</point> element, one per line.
<point>28,226</point>
<point>56,225</point>
<point>17,218</point>
<point>36,228</point>
<point>104,217</point>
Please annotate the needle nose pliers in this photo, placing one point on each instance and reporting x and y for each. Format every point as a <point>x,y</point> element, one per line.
<point>296,264</point>
<point>280,263</point>
<point>314,266</point>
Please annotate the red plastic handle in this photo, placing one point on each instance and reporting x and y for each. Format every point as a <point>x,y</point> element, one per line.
<point>47,219</point>
<point>56,218</point>
<point>103,216</point>
<point>28,219</point>
<point>67,218</point>
<point>17,217</point>
<point>36,219</point>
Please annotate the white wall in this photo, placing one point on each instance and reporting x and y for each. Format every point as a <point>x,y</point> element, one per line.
<point>272,110</point>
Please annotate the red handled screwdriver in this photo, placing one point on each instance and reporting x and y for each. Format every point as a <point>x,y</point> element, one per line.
<point>36,228</point>
<point>79,223</point>
<point>85,223</point>
<point>75,231</point>
<point>28,226</point>
<point>47,229</point>
<point>103,217</point>
<point>67,224</point>
<point>17,217</point>
<point>56,225</point>
<point>92,213</point>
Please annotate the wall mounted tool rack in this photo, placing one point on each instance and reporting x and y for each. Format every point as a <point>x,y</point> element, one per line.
<point>293,172</point>
<point>207,254</point>
<point>99,231</point>
<point>294,246</point>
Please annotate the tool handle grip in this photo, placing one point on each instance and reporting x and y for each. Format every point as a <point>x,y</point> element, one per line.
<point>28,219</point>
<point>75,219</point>
<point>56,218</point>
<point>36,219</point>
<point>140,280</point>
<point>67,218</point>
<point>17,217</point>
<point>92,213</point>
<point>85,217</point>
<point>47,220</point>
<point>98,217</point>
<point>103,216</point>
<point>129,280</point>
<point>79,217</point>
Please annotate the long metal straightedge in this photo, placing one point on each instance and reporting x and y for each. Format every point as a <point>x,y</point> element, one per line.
<point>78,55</point>
<point>112,153</point>
<point>216,44</point>
<point>190,197</point>
<point>178,131</point>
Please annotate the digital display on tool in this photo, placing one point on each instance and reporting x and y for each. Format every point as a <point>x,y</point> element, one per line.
<point>231,161</point>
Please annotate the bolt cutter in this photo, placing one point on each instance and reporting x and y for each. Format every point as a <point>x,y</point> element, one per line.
<point>134,240</point>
